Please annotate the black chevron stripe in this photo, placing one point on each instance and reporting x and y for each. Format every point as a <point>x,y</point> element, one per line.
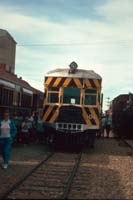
<point>72,84</point>
<point>46,79</point>
<point>45,109</point>
<point>81,80</point>
<point>52,82</point>
<point>92,83</point>
<point>52,113</point>
<point>97,112</point>
<point>61,82</point>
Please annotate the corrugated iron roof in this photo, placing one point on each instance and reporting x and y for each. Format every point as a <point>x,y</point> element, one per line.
<point>18,81</point>
<point>79,73</point>
<point>14,79</point>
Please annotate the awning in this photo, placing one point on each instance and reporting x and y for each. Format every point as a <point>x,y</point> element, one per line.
<point>27,91</point>
<point>6,83</point>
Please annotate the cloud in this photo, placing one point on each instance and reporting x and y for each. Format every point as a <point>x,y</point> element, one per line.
<point>102,44</point>
<point>116,10</point>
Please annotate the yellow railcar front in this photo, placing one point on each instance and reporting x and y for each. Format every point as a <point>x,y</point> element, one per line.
<point>72,104</point>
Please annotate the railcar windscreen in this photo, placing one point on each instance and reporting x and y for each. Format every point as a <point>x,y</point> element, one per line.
<point>71,95</point>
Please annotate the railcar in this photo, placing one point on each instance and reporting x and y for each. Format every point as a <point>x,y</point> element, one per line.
<point>22,102</point>
<point>72,105</point>
<point>17,95</point>
<point>122,116</point>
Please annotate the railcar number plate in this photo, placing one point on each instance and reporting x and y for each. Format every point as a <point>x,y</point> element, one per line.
<point>91,116</point>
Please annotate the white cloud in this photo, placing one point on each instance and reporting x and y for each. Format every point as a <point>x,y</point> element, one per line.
<point>117,9</point>
<point>108,50</point>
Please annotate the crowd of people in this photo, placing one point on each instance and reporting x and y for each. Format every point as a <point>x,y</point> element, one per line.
<point>28,129</point>
<point>19,129</point>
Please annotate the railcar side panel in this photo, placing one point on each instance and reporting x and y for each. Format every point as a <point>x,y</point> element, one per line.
<point>122,115</point>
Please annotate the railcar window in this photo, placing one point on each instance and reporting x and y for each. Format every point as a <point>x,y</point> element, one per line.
<point>19,98</point>
<point>6,96</point>
<point>26,100</point>
<point>10,97</point>
<point>71,95</point>
<point>53,97</point>
<point>90,97</point>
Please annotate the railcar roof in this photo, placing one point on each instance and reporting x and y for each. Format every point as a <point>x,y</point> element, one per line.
<point>13,79</point>
<point>79,73</point>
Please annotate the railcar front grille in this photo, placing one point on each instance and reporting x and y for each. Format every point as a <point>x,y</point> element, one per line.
<point>69,127</point>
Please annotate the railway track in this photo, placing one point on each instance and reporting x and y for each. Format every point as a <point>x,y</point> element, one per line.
<point>124,142</point>
<point>100,173</point>
<point>130,153</point>
<point>16,185</point>
<point>51,178</point>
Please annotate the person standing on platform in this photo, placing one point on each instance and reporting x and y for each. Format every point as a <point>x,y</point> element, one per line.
<point>102,126</point>
<point>108,125</point>
<point>8,132</point>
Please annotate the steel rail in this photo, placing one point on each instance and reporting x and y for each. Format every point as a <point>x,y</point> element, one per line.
<point>124,141</point>
<point>17,184</point>
<point>71,177</point>
<point>131,147</point>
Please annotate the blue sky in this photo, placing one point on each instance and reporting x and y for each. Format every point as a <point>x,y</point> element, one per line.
<point>97,34</point>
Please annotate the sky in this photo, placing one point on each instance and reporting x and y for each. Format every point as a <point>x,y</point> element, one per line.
<point>96,34</point>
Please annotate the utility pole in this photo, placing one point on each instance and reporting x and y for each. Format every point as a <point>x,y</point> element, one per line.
<point>108,102</point>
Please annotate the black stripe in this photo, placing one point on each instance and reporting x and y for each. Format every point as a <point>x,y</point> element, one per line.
<point>72,83</point>
<point>45,109</point>
<point>46,79</point>
<point>61,82</point>
<point>81,81</point>
<point>92,83</point>
<point>52,113</point>
<point>52,81</point>
<point>97,112</point>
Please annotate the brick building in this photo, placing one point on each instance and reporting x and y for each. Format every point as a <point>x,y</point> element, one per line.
<point>7,50</point>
